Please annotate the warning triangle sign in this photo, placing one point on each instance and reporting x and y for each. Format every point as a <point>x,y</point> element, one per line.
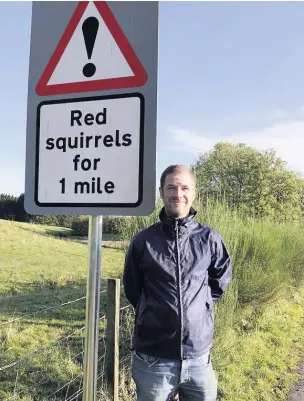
<point>93,54</point>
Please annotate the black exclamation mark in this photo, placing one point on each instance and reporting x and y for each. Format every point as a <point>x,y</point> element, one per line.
<point>89,30</point>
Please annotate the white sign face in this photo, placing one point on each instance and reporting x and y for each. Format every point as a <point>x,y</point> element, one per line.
<point>89,151</point>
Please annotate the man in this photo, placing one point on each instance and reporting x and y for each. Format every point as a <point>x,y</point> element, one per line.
<point>175,270</point>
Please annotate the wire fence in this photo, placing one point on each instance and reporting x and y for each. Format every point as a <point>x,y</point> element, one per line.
<point>44,310</point>
<point>54,371</point>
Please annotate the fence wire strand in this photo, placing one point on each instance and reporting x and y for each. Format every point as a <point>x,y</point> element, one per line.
<point>66,388</point>
<point>45,310</point>
<point>40,351</point>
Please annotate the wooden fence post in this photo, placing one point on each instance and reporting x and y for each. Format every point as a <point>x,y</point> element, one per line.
<point>112,338</point>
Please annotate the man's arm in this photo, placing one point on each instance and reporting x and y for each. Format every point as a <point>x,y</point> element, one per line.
<point>220,270</point>
<point>132,277</point>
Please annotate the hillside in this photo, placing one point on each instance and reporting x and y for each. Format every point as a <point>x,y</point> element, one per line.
<point>31,257</point>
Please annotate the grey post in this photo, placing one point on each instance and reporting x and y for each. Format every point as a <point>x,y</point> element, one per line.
<point>92,309</point>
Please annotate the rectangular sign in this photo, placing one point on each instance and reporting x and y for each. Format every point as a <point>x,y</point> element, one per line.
<point>89,151</point>
<point>92,107</point>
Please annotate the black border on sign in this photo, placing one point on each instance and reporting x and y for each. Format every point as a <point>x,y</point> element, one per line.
<point>141,151</point>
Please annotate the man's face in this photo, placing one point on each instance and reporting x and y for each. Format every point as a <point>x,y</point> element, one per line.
<point>178,194</point>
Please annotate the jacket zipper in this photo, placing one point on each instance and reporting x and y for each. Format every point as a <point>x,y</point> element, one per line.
<point>179,286</point>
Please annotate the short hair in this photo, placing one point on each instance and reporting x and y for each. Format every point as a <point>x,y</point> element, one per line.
<point>175,168</point>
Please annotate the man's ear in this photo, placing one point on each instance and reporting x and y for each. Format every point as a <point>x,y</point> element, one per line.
<point>161,193</point>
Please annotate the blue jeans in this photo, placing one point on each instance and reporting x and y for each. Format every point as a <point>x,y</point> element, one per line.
<point>157,378</point>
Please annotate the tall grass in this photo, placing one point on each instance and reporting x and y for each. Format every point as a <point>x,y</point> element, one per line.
<point>267,259</point>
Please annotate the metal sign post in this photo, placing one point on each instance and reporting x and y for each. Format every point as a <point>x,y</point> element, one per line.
<point>92,309</point>
<point>91,124</point>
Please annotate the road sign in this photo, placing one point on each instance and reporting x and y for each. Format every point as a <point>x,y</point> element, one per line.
<point>92,37</point>
<point>92,101</point>
<point>77,138</point>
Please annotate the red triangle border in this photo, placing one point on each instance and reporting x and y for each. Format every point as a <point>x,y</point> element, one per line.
<point>140,75</point>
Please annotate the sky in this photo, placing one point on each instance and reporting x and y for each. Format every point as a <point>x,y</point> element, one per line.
<point>227,71</point>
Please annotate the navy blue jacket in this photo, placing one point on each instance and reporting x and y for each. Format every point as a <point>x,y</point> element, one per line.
<point>175,270</point>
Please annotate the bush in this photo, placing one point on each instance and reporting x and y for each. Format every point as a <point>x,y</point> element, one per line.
<point>112,224</point>
<point>80,226</point>
<point>48,220</point>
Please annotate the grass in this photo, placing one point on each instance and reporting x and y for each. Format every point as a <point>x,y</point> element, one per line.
<point>29,260</point>
<point>268,269</point>
<point>260,354</point>
<point>258,322</point>
<point>39,271</point>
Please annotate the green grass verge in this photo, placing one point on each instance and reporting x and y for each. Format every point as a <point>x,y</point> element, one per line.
<point>29,260</point>
<point>258,360</point>
<point>258,322</point>
<point>38,272</point>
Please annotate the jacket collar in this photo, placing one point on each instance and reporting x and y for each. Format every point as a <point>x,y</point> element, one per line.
<point>169,223</point>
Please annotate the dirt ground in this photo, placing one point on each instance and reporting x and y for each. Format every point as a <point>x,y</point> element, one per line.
<point>297,393</point>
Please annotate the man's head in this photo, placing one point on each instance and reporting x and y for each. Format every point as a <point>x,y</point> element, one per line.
<point>177,190</point>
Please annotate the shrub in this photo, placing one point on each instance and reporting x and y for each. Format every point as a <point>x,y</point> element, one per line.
<point>80,226</point>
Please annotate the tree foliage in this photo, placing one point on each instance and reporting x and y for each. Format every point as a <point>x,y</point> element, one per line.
<point>256,183</point>
<point>12,208</point>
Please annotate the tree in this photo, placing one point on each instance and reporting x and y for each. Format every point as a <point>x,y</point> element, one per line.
<point>7,206</point>
<point>20,212</point>
<point>255,183</point>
